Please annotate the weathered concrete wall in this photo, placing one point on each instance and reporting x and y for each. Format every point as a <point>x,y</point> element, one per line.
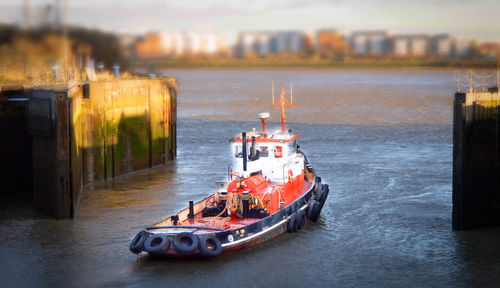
<point>89,132</point>
<point>476,162</point>
<point>125,126</point>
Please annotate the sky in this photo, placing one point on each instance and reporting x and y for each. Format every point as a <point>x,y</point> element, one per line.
<point>470,19</point>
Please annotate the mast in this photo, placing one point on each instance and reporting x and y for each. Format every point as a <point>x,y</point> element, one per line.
<point>282,104</point>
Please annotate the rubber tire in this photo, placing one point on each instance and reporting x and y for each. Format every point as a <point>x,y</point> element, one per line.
<point>309,212</point>
<point>180,247</point>
<point>156,248</point>
<point>204,247</point>
<point>316,185</point>
<point>326,191</point>
<point>301,215</point>
<point>293,223</point>
<point>137,244</point>
<point>315,211</point>
<point>322,193</point>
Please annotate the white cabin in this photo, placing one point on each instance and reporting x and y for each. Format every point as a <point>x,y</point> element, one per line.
<point>274,155</point>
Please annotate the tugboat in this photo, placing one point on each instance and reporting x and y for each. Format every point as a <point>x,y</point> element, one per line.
<point>271,190</point>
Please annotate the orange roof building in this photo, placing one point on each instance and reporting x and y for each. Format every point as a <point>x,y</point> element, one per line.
<point>330,42</point>
<point>149,46</point>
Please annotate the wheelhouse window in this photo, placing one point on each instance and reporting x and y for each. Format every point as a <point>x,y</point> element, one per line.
<point>263,151</point>
<point>238,152</point>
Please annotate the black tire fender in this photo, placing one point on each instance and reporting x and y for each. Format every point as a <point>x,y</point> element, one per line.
<point>157,244</point>
<point>315,211</point>
<point>210,245</point>
<point>322,193</point>
<point>137,244</point>
<point>185,242</point>
<point>293,223</point>
<point>317,182</point>
<point>309,212</point>
<point>301,215</point>
<point>326,191</point>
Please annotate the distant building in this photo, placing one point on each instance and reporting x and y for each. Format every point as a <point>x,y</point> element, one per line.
<point>289,41</point>
<point>373,43</point>
<point>463,48</point>
<point>193,43</point>
<point>210,43</point>
<point>442,45</point>
<point>359,44</point>
<point>410,45</point>
<point>255,42</point>
<point>309,42</point>
<point>148,46</point>
<point>175,43</point>
<point>419,45</point>
<point>401,46</point>
<point>266,42</point>
<point>329,42</point>
<point>179,44</point>
<point>489,49</point>
<point>263,44</point>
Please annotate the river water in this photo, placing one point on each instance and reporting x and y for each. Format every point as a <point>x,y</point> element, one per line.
<point>382,140</point>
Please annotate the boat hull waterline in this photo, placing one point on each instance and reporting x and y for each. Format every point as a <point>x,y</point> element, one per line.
<point>265,229</point>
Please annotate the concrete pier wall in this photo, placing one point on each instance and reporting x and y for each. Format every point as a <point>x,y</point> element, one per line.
<point>476,159</point>
<point>89,132</point>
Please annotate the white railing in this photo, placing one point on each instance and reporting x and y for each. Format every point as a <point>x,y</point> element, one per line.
<point>476,80</point>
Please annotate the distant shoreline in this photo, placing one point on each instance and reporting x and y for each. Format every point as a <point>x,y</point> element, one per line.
<point>308,64</point>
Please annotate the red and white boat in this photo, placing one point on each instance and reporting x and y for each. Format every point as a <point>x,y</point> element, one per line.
<point>271,190</point>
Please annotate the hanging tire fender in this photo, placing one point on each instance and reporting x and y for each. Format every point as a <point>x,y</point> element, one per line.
<point>209,245</point>
<point>157,244</point>
<point>309,212</point>
<point>317,182</point>
<point>315,211</point>
<point>301,215</point>
<point>137,244</point>
<point>292,224</point>
<point>322,193</point>
<point>185,243</point>
<point>326,191</point>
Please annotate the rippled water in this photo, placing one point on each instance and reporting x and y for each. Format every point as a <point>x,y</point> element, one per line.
<point>387,221</point>
<point>356,97</point>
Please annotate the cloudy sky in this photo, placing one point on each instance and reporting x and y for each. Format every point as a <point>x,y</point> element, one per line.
<point>478,19</point>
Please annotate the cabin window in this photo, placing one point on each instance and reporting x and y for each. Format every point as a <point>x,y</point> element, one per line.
<point>238,152</point>
<point>263,151</point>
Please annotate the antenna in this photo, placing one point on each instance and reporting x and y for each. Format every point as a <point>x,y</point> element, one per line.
<point>283,103</point>
<point>273,92</point>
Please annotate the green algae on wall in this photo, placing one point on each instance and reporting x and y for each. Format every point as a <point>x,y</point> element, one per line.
<point>102,129</point>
